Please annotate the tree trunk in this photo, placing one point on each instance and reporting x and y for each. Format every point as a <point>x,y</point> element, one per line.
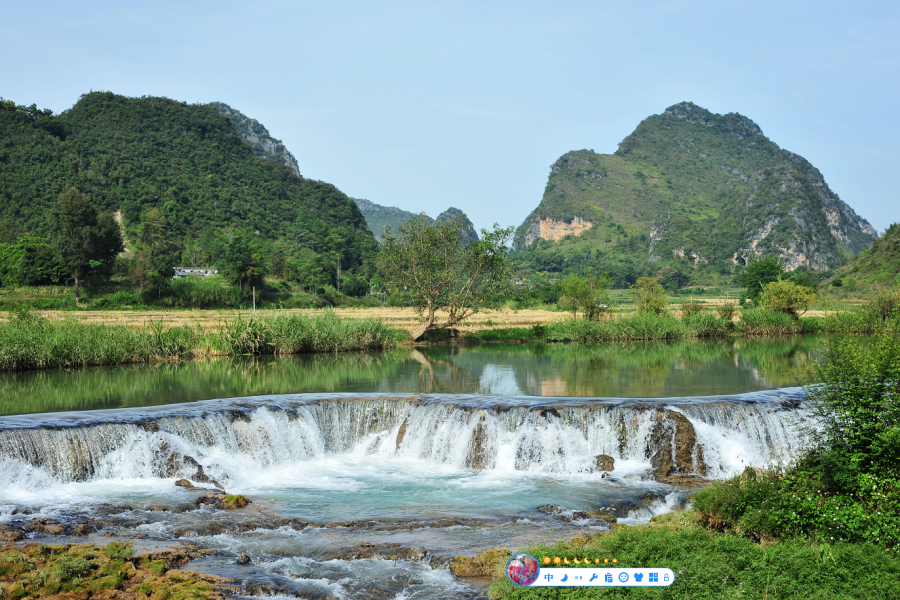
<point>76,288</point>
<point>425,326</point>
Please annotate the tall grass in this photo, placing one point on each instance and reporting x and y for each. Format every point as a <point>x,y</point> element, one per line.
<point>759,321</point>
<point>29,342</point>
<point>639,326</point>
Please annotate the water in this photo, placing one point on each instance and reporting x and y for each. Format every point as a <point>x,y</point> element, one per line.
<point>391,463</point>
<point>614,370</point>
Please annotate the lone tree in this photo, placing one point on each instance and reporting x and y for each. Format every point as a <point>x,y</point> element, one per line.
<point>429,265</point>
<point>759,274</point>
<point>84,241</point>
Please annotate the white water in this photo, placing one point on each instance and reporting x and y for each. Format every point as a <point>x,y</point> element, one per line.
<point>257,447</point>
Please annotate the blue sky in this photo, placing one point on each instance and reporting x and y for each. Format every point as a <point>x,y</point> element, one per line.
<point>424,105</point>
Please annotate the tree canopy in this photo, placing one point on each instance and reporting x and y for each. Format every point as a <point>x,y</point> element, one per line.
<point>432,268</point>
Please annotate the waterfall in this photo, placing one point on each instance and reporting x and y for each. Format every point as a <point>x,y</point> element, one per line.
<point>221,441</point>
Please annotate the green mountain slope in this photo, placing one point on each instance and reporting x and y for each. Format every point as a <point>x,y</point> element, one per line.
<point>699,192</point>
<point>469,235</point>
<point>257,136</point>
<point>880,264</point>
<point>187,161</point>
<point>378,217</point>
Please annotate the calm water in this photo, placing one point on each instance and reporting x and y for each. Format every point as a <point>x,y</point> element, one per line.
<point>613,370</point>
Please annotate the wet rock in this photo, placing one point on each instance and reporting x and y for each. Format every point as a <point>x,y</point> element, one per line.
<point>81,530</point>
<point>553,509</point>
<point>478,457</point>
<point>672,446</point>
<point>548,412</point>
<point>8,534</point>
<point>604,462</point>
<point>599,515</point>
<point>243,559</point>
<point>184,483</point>
<point>48,526</point>
<point>693,481</point>
<point>401,434</point>
<point>232,502</point>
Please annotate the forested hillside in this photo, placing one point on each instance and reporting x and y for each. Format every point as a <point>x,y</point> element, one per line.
<point>693,194</point>
<point>879,265</point>
<point>182,170</point>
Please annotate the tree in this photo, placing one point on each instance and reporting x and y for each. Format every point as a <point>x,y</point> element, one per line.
<point>649,295</point>
<point>759,273</point>
<point>787,297</point>
<point>589,294</point>
<point>428,263</point>
<point>80,237</point>
<point>241,264</point>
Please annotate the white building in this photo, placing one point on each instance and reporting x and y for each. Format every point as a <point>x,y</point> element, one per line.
<point>182,272</point>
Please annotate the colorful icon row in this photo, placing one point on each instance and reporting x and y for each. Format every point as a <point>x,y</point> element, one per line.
<point>587,561</point>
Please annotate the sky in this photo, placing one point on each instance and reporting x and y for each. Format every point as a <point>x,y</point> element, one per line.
<point>425,105</point>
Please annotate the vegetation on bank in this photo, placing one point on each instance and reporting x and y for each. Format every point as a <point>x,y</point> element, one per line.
<point>85,570</point>
<point>712,565</point>
<point>28,341</point>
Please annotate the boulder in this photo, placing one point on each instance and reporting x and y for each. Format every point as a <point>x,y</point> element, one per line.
<point>672,445</point>
<point>243,559</point>
<point>604,462</point>
<point>184,483</point>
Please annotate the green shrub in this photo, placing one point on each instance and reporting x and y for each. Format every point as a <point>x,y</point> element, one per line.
<point>759,321</point>
<point>706,324</point>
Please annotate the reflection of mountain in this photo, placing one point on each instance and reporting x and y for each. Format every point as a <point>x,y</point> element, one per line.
<point>653,369</point>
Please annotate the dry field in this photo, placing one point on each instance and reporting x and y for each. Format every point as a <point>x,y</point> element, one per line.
<point>404,318</point>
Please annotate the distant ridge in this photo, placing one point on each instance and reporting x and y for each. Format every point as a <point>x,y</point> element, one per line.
<point>378,217</point>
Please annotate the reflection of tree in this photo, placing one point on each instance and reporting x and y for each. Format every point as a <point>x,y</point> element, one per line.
<point>637,369</point>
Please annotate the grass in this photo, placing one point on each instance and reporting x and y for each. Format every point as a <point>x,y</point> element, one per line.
<point>709,564</point>
<point>33,342</point>
<point>85,570</point>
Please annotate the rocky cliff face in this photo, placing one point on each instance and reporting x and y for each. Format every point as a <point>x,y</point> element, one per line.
<point>694,190</point>
<point>257,136</point>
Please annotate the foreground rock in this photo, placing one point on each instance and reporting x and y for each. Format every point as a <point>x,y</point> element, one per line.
<point>672,447</point>
<point>85,571</point>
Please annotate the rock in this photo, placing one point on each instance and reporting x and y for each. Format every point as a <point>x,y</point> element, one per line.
<point>478,454</point>
<point>80,530</point>
<point>184,483</point>
<point>8,534</point>
<point>604,462</point>
<point>602,515</point>
<point>553,509</point>
<point>401,434</point>
<point>232,502</point>
<point>672,445</point>
<point>243,559</point>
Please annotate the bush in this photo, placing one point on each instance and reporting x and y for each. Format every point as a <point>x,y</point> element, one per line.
<point>706,324</point>
<point>787,297</point>
<point>759,321</point>
<point>649,295</point>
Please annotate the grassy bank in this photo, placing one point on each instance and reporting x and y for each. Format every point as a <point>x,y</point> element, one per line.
<point>711,564</point>
<point>86,570</point>
<point>31,342</point>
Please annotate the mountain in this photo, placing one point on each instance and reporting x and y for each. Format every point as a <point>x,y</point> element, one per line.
<point>879,264</point>
<point>257,136</point>
<point>378,217</point>
<point>187,161</point>
<point>691,191</point>
<point>451,214</point>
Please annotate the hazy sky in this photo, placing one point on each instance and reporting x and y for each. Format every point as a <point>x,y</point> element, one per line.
<point>424,105</point>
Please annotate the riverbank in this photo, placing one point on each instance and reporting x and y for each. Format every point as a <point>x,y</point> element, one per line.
<point>709,564</point>
<point>31,340</point>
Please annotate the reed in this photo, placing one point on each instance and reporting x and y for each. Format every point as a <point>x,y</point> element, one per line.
<point>30,342</point>
<point>759,321</point>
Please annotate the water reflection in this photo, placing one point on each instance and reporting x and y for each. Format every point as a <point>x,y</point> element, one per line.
<point>625,370</point>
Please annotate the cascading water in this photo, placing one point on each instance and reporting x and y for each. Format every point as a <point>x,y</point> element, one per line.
<point>228,442</point>
<point>394,486</point>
